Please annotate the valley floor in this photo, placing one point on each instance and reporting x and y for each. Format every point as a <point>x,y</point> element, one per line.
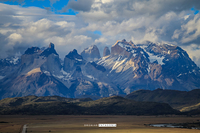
<point>89,124</point>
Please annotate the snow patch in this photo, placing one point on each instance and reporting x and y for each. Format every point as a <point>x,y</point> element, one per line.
<point>15,60</point>
<point>143,46</point>
<point>183,54</point>
<point>194,71</point>
<point>153,58</point>
<point>91,77</point>
<point>148,69</point>
<point>63,72</point>
<point>47,73</point>
<point>118,63</point>
<point>78,59</point>
<point>59,76</point>
<point>165,43</point>
<point>179,75</point>
<point>64,76</point>
<point>127,47</point>
<point>87,50</point>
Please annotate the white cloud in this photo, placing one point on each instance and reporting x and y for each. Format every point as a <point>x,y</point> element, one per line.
<point>65,24</point>
<point>151,35</point>
<point>106,1</point>
<point>194,52</point>
<point>190,31</point>
<point>124,9</point>
<point>136,20</point>
<point>101,40</point>
<point>26,27</point>
<point>15,38</point>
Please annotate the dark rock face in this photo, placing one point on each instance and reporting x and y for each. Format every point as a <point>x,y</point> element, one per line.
<point>74,55</point>
<point>72,60</point>
<point>28,59</point>
<point>52,64</point>
<point>29,55</point>
<point>91,53</point>
<point>78,69</point>
<point>106,51</point>
<point>32,50</point>
<point>77,73</point>
<point>99,67</point>
<point>49,50</point>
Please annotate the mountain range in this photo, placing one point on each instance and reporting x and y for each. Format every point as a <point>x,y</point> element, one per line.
<point>124,68</point>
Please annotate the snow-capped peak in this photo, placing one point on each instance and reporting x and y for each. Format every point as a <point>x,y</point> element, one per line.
<point>128,46</point>
<point>90,48</point>
<point>144,49</point>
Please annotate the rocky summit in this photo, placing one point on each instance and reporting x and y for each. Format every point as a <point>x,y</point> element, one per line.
<point>91,53</point>
<point>124,68</point>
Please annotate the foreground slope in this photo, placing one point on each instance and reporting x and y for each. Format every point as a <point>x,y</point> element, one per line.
<point>176,99</point>
<point>114,105</point>
<point>119,105</point>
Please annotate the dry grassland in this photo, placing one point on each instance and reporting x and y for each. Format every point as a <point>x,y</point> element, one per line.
<point>75,124</point>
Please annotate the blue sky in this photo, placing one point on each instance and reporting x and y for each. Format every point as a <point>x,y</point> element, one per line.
<point>194,10</point>
<point>54,5</point>
<point>77,24</point>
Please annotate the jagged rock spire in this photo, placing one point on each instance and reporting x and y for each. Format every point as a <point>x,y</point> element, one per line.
<point>49,50</point>
<point>106,51</point>
<point>74,55</point>
<point>51,45</point>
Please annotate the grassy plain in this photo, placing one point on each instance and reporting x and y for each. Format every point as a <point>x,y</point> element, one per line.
<point>75,123</point>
